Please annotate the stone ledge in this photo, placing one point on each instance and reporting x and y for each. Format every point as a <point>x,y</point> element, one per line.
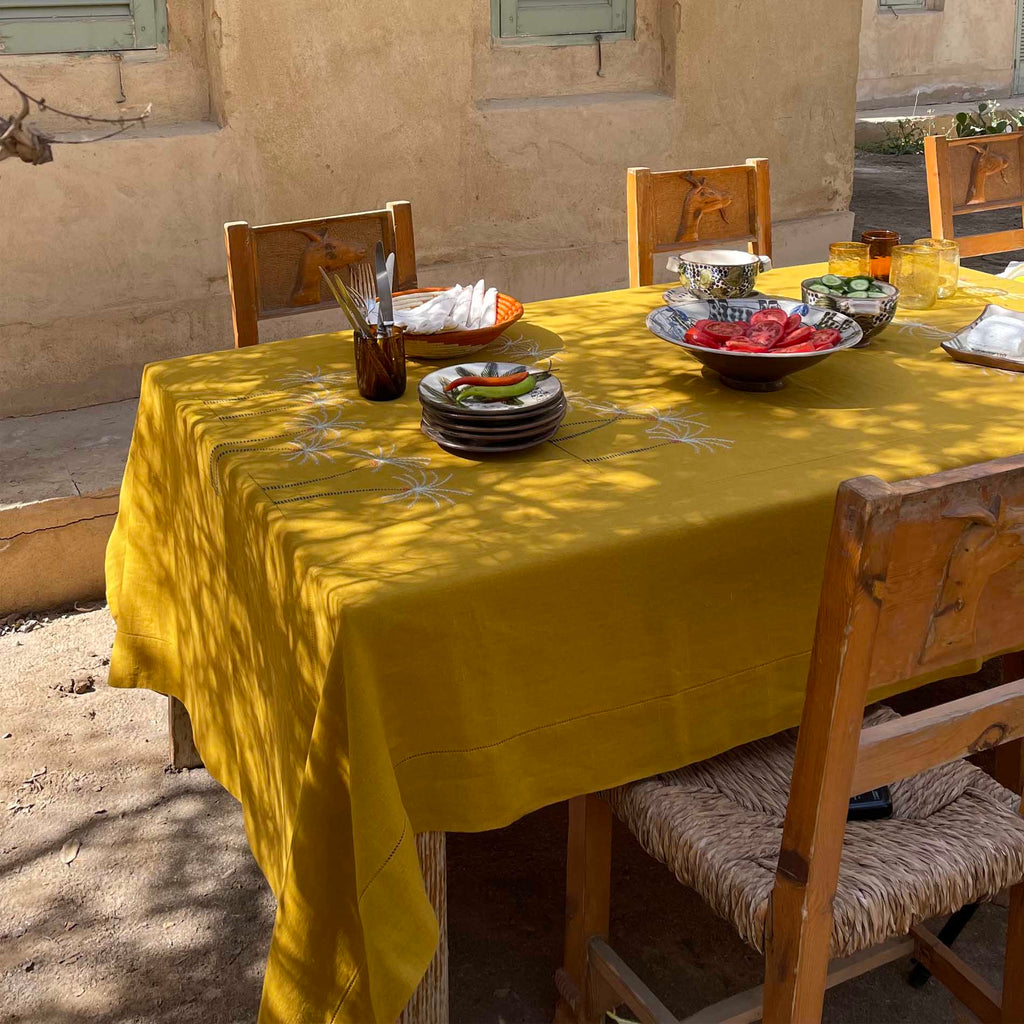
<point>60,475</point>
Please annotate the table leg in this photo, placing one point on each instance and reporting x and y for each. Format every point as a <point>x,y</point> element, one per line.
<point>429,1003</point>
<point>183,747</point>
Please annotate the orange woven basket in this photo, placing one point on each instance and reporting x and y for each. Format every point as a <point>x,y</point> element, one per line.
<point>456,344</point>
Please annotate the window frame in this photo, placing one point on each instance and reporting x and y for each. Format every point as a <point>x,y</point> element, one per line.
<point>911,6</point>
<point>584,38</point>
<point>144,29</point>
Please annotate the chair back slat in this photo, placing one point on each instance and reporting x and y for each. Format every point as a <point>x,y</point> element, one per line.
<point>274,269</point>
<point>972,175</point>
<point>906,746</point>
<point>923,578</point>
<point>671,211</point>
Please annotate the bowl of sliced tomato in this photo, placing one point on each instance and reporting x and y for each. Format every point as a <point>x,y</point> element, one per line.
<point>754,344</point>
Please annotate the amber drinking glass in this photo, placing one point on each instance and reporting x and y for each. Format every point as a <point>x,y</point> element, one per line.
<point>915,272</point>
<point>849,259</point>
<point>949,264</point>
<point>380,365</point>
<point>880,242</point>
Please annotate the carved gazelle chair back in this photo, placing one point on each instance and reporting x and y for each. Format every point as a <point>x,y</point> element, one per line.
<point>670,211</point>
<point>924,579</point>
<point>274,269</point>
<point>973,175</point>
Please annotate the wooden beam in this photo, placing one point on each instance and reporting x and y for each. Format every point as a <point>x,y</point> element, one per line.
<point>745,1008</point>
<point>183,745</point>
<point>627,986</point>
<point>962,981</point>
<point>995,241</point>
<point>242,283</point>
<point>587,897</point>
<point>905,746</point>
<point>640,225</point>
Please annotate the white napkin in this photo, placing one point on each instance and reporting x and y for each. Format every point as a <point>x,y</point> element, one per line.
<point>462,308</point>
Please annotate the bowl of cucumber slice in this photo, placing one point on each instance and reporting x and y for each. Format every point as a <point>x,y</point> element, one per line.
<point>871,303</point>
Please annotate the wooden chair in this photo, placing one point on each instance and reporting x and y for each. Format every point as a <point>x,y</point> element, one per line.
<point>669,211</point>
<point>922,576</point>
<point>274,269</point>
<point>970,176</point>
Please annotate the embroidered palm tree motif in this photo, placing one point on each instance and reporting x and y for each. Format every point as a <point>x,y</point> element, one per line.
<point>321,420</point>
<point>426,485</point>
<point>990,541</point>
<point>381,457</point>
<point>309,449</point>
<point>662,427</point>
<point>312,378</point>
<point>520,349</point>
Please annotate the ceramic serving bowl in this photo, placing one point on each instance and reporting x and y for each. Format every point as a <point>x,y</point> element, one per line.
<point>750,371</point>
<point>718,273</point>
<point>871,314</point>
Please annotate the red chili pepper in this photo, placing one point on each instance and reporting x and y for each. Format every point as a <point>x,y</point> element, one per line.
<point>487,382</point>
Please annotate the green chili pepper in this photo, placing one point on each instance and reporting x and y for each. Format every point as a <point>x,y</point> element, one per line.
<point>524,387</point>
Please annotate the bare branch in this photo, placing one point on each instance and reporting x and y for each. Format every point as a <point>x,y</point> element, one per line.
<point>43,105</point>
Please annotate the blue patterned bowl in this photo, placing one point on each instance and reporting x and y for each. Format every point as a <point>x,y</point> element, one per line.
<point>749,371</point>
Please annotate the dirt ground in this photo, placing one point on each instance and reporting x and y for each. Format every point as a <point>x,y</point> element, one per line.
<point>128,894</point>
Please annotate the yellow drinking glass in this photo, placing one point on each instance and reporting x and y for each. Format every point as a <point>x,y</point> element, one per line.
<point>949,264</point>
<point>849,259</point>
<point>915,272</point>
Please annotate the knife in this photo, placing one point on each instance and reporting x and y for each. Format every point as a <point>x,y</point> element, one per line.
<point>386,312</point>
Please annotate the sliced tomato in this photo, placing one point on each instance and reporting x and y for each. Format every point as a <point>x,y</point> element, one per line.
<point>742,345</point>
<point>820,346</point>
<point>804,346</point>
<point>766,315</point>
<point>696,337</point>
<point>723,329</point>
<point>793,321</point>
<point>802,333</point>
<point>766,333</point>
<point>827,335</point>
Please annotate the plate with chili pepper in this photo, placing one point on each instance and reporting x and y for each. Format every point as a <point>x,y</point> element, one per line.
<point>489,389</point>
<point>753,344</point>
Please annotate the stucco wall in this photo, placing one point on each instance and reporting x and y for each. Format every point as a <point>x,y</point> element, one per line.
<point>514,159</point>
<point>962,52</point>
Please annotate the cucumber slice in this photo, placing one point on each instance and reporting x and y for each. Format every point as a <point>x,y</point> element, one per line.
<point>839,293</point>
<point>859,284</point>
<point>832,280</point>
<point>819,289</point>
<point>876,293</point>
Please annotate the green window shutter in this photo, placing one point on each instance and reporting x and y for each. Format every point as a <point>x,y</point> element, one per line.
<point>1018,60</point>
<point>71,26</point>
<point>563,17</point>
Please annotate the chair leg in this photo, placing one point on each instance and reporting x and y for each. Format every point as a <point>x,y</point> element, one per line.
<point>587,898</point>
<point>1013,965</point>
<point>179,727</point>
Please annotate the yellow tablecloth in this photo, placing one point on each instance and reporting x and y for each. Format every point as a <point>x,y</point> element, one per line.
<point>375,638</point>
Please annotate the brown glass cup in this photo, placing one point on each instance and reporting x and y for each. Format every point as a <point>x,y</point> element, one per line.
<point>880,242</point>
<point>380,365</point>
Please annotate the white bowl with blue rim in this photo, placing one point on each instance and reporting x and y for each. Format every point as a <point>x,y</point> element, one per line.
<point>750,371</point>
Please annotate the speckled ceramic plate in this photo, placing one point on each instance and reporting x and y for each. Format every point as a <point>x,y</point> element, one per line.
<point>494,428</point>
<point>682,294</point>
<point>469,448</point>
<point>432,393</point>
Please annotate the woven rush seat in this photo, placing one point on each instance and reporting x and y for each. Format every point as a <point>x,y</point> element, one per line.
<point>954,838</point>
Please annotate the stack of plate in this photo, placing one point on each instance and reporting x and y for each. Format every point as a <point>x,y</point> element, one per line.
<point>490,426</point>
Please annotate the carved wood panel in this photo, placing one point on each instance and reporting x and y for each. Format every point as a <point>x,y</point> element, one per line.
<point>702,206</point>
<point>986,169</point>
<point>289,257</point>
<point>953,592</point>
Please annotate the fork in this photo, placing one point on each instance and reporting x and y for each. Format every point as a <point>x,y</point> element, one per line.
<point>364,284</point>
